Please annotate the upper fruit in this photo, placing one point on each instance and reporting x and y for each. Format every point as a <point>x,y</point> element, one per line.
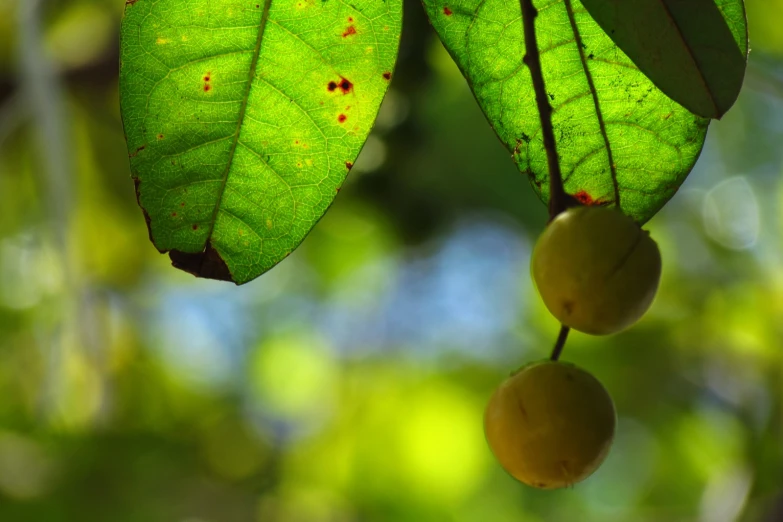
<point>597,271</point>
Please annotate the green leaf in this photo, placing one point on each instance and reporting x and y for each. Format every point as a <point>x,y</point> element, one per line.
<point>685,47</point>
<point>621,141</point>
<point>243,118</point>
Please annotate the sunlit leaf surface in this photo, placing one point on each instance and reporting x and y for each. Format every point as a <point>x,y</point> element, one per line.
<point>243,118</point>
<point>621,140</point>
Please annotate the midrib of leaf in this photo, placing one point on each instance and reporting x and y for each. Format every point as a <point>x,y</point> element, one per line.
<point>240,118</point>
<point>702,79</point>
<point>596,102</point>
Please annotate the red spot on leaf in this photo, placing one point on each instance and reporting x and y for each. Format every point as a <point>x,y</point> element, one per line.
<point>584,198</point>
<point>341,118</point>
<point>387,75</point>
<point>447,11</point>
<point>350,19</point>
<point>350,31</point>
<point>207,87</point>
<point>207,77</point>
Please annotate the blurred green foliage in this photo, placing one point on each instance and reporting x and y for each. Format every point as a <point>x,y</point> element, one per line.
<point>348,383</point>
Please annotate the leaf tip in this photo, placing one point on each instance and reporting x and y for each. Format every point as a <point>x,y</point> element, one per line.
<point>207,264</point>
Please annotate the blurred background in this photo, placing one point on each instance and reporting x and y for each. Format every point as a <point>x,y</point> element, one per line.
<point>348,383</point>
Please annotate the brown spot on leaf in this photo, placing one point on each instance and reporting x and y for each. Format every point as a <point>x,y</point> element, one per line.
<point>160,137</point>
<point>136,152</point>
<point>173,214</point>
<point>447,11</point>
<point>350,31</point>
<point>346,86</point>
<point>147,219</point>
<point>195,227</point>
<point>387,75</point>
<point>182,204</point>
<point>341,118</point>
<point>350,19</point>
<point>130,2</point>
<point>348,165</point>
<point>207,87</point>
<point>206,264</point>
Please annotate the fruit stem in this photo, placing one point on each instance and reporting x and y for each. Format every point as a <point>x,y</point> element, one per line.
<point>561,340</point>
<point>558,199</point>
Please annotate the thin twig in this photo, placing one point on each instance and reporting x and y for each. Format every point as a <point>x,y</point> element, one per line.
<point>558,199</point>
<point>561,340</point>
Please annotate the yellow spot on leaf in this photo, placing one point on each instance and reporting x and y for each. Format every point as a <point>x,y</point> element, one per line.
<point>161,41</point>
<point>269,224</point>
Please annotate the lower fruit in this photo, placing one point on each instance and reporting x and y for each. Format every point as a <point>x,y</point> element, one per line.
<point>550,425</point>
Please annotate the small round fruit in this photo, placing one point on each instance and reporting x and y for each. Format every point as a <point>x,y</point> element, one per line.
<point>550,425</point>
<point>597,271</point>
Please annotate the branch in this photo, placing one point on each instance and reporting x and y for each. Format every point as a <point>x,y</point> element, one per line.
<point>558,199</point>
